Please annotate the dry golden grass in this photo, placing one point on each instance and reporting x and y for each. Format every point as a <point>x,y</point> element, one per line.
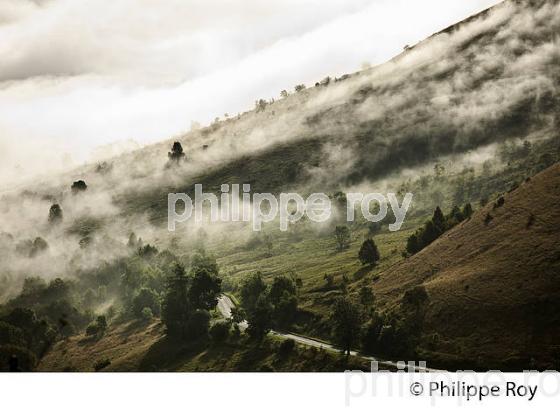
<point>124,345</point>
<point>494,289</point>
<point>136,346</point>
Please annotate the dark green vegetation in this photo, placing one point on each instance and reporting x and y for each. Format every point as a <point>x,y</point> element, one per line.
<point>188,299</point>
<point>369,254</point>
<point>267,307</point>
<point>467,121</point>
<point>48,311</point>
<point>436,226</point>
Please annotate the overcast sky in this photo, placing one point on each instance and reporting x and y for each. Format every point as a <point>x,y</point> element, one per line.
<point>76,74</point>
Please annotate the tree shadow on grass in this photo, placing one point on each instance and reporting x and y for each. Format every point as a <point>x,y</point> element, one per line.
<point>252,359</point>
<point>362,272</point>
<point>167,354</point>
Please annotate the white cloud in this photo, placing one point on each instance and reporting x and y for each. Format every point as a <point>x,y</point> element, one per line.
<point>77,74</point>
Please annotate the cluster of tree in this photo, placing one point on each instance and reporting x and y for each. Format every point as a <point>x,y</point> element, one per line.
<point>436,226</point>
<point>144,279</point>
<point>396,332</point>
<point>135,285</point>
<point>56,303</point>
<point>23,338</point>
<point>357,324</point>
<point>267,306</point>
<point>189,297</point>
<point>38,316</point>
<point>509,151</point>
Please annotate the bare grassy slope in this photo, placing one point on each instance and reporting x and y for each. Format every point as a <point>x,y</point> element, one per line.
<point>135,346</point>
<point>494,289</point>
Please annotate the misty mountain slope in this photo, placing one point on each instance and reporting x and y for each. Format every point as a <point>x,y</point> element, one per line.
<point>493,283</point>
<point>462,92</point>
<point>490,79</point>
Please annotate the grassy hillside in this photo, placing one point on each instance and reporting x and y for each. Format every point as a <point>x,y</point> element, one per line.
<point>487,80</point>
<point>493,285</point>
<point>462,117</point>
<point>134,346</point>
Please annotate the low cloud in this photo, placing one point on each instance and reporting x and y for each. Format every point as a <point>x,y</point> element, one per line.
<point>75,75</point>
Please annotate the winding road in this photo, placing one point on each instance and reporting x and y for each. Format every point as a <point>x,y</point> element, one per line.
<point>225,304</point>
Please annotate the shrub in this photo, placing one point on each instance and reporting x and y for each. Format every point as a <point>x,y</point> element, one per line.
<point>91,330</point>
<point>97,328</point>
<point>78,186</point>
<point>11,335</point>
<point>373,228</point>
<point>467,210</point>
<point>370,335</point>
<point>368,254</point>
<point>500,202</point>
<point>197,325</point>
<point>147,314</point>
<point>55,214</point>
<point>146,298</point>
<point>286,347</point>
<point>101,364</point>
<point>16,358</point>
<point>386,339</point>
<point>219,331</point>
<point>285,310</point>
<point>366,296</point>
<point>415,296</point>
